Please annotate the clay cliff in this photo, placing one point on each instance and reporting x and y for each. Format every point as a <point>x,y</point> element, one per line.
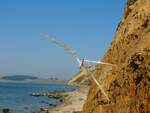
<point>128,83</point>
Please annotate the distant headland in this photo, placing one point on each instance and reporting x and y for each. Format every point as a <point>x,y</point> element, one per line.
<point>19,77</point>
<point>29,79</point>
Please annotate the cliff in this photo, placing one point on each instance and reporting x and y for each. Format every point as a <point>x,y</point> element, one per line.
<point>128,83</point>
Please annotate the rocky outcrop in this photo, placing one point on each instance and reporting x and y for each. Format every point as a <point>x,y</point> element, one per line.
<point>128,83</point>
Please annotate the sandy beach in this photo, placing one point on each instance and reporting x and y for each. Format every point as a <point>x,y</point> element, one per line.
<point>72,103</point>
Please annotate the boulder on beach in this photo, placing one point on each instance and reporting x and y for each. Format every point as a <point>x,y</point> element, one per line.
<point>6,110</point>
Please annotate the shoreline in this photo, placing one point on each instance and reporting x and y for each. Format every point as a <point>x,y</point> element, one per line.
<point>71,103</point>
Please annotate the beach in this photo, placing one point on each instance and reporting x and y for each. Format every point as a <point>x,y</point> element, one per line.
<point>72,103</point>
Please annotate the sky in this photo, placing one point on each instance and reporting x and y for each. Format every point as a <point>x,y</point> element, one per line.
<point>87,26</point>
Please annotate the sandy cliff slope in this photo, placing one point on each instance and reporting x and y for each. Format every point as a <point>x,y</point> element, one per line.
<point>128,83</point>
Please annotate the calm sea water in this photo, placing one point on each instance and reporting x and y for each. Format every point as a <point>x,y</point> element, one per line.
<point>16,96</point>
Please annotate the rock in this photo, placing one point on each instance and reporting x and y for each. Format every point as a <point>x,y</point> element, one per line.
<point>42,101</point>
<point>50,104</point>
<point>50,95</point>
<point>6,110</point>
<point>36,94</point>
<point>55,95</point>
<point>61,100</point>
<point>43,109</point>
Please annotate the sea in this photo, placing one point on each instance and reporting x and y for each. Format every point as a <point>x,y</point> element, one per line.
<point>17,96</point>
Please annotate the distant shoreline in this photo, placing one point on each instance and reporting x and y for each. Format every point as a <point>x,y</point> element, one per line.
<point>30,79</point>
<point>43,81</point>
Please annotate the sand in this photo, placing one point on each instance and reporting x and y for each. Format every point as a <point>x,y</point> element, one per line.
<point>73,103</point>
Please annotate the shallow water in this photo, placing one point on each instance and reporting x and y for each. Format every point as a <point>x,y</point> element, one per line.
<point>16,96</point>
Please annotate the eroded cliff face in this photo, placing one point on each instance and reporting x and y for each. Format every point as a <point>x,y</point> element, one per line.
<point>128,83</point>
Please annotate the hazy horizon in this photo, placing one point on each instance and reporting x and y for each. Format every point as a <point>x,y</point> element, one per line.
<point>86,26</point>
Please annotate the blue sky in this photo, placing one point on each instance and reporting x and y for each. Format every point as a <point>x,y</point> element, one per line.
<point>88,26</point>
